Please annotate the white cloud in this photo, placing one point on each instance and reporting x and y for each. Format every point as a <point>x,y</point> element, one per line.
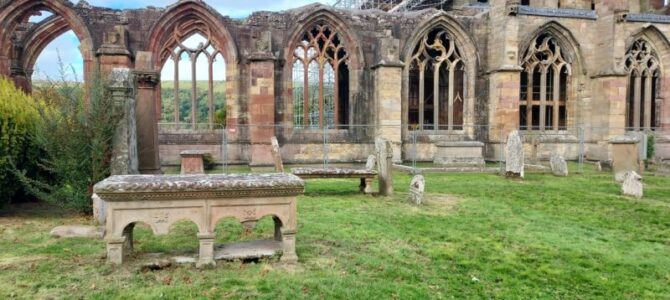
<point>67,45</point>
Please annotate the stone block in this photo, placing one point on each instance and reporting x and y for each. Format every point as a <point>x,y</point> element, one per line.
<point>459,154</point>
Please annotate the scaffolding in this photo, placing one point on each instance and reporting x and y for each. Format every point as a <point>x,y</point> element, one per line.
<point>391,5</point>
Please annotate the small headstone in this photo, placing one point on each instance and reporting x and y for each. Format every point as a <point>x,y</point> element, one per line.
<point>632,185</point>
<point>417,187</point>
<point>371,163</point>
<point>276,155</point>
<point>385,166</point>
<point>514,156</point>
<point>558,166</point>
<point>90,232</point>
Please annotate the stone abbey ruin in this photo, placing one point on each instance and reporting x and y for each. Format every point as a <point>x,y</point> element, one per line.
<point>458,75</point>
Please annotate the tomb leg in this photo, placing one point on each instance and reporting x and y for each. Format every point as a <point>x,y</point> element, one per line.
<point>115,250</point>
<point>288,246</point>
<point>361,187</point>
<point>128,235</point>
<point>367,188</point>
<point>206,257</point>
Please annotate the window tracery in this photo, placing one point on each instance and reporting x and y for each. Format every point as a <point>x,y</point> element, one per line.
<point>544,86</point>
<point>642,65</point>
<point>436,84</point>
<point>320,84</point>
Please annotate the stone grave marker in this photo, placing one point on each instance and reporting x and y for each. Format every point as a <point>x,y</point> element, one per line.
<point>558,166</point>
<point>514,156</point>
<point>417,188</point>
<point>632,185</point>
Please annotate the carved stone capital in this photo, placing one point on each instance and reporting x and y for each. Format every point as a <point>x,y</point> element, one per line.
<point>147,79</point>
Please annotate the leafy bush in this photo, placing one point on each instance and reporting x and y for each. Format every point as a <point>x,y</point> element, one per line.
<point>75,139</point>
<point>18,121</point>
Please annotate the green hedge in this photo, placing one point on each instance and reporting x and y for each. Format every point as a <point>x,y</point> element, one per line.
<point>19,119</point>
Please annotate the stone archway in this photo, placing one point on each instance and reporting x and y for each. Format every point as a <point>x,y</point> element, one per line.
<point>20,51</point>
<point>180,21</point>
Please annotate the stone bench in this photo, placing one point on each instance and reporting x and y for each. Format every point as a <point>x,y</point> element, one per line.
<point>160,201</point>
<point>193,161</point>
<point>366,175</point>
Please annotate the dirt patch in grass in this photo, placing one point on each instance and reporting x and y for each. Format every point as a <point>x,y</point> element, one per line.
<point>446,202</point>
<point>18,260</point>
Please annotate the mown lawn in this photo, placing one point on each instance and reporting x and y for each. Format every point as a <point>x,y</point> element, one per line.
<point>480,236</point>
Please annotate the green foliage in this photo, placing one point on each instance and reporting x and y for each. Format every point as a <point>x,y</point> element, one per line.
<point>220,116</point>
<point>185,94</point>
<point>18,121</point>
<point>651,146</point>
<point>75,139</point>
<point>479,236</point>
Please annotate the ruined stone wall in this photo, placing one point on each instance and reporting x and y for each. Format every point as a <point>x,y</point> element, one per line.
<point>492,37</point>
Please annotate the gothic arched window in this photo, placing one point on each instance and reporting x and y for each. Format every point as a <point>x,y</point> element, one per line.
<point>320,79</point>
<point>436,84</point>
<point>642,65</point>
<point>193,81</point>
<point>544,86</point>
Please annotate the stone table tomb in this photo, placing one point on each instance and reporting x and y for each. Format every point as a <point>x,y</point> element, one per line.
<point>160,201</point>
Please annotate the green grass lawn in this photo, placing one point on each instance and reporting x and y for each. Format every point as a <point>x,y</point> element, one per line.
<point>479,236</point>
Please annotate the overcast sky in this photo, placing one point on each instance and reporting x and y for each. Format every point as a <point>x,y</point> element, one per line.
<point>66,46</point>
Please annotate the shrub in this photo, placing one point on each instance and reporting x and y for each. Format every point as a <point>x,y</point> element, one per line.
<point>75,139</point>
<point>18,121</point>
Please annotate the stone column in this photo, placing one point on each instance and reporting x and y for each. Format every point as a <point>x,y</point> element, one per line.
<point>124,151</point>
<point>385,166</point>
<point>206,255</point>
<point>148,92</point>
<point>504,74</point>
<point>388,94</point>
<point>609,87</point>
<point>261,101</point>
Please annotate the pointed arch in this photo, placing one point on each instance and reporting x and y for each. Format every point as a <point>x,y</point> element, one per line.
<point>40,37</point>
<point>340,49</point>
<point>189,17</point>
<point>552,64</point>
<point>462,95</point>
<point>647,60</point>
<point>571,49</point>
<point>182,21</point>
<point>16,13</point>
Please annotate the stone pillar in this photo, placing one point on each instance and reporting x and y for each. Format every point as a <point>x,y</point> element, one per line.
<point>148,91</point>
<point>113,53</point>
<point>289,255</point>
<point>504,74</point>
<point>609,85</point>
<point>206,255</point>
<point>124,151</point>
<point>385,166</point>
<point>261,101</point>
<point>388,94</point>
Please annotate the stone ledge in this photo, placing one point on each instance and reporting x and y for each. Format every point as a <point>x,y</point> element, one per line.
<point>648,18</point>
<point>331,171</point>
<point>147,187</point>
<point>557,12</point>
<point>459,144</point>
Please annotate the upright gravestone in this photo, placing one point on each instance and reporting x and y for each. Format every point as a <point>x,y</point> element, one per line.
<point>632,185</point>
<point>124,144</point>
<point>385,166</point>
<point>514,156</point>
<point>276,155</point>
<point>558,166</point>
<point>417,187</point>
